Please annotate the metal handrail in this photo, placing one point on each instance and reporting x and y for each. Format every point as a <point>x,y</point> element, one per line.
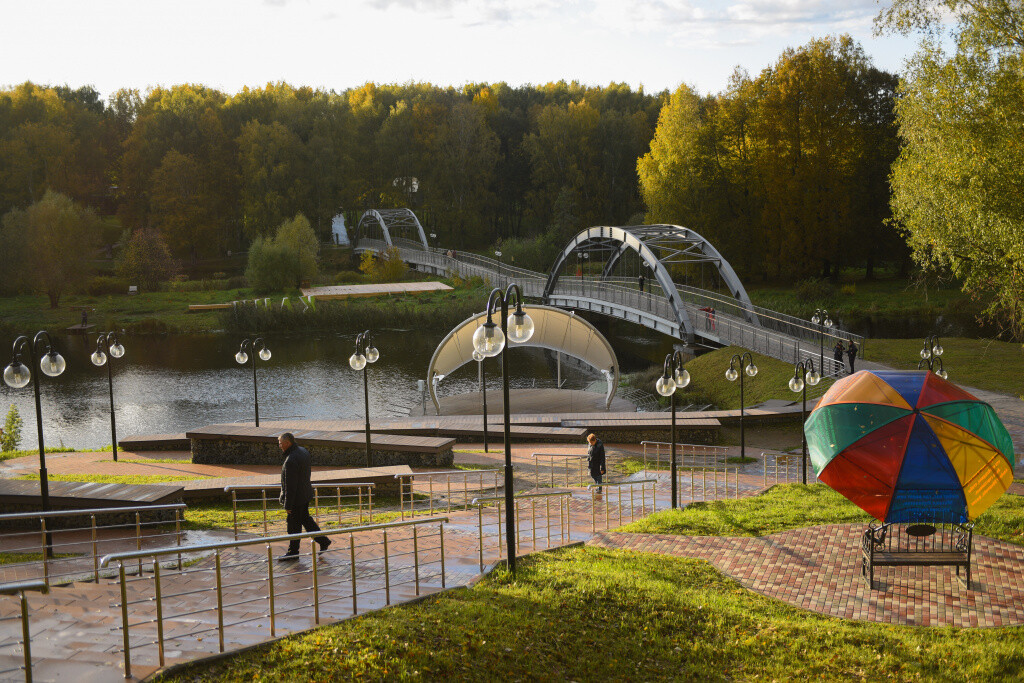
<point>597,495</point>
<point>203,547</point>
<point>260,487</point>
<point>317,488</point>
<point>16,588</point>
<point>519,496</point>
<point>452,473</point>
<point>91,511</point>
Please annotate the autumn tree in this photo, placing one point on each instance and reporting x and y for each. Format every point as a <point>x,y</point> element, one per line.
<point>146,260</point>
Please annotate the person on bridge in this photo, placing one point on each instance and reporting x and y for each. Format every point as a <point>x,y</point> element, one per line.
<point>596,460</point>
<point>837,354</point>
<point>851,354</point>
<point>296,492</point>
<point>640,280</point>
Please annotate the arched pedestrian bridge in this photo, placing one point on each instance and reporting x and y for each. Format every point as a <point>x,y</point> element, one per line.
<point>690,291</point>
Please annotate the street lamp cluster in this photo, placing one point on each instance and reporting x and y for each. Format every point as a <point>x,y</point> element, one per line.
<point>930,356</point>
<point>804,374</point>
<point>674,376</point>
<point>365,353</point>
<point>107,345</point>
<point>745,362</point>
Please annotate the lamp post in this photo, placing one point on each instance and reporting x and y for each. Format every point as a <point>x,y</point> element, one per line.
<point>930,356</point>
<point>801,378</point>
<point>108,345</point>
<point>365,353</point>
<point>479,358</point>
<point>821,319</point>
<point>16,376</point>
<point>489,340</point>
<point>747,367</point>
<point>257,347</point>
<point>674,376</point>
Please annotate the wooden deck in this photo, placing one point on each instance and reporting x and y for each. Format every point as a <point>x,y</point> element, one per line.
<point>384,289</point>
<point>23,493</point>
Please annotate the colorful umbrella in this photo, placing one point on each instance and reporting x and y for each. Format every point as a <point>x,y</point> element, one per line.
<point>908,446</point>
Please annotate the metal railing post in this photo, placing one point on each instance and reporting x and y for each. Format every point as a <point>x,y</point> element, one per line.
<point>234,511</point>
<point>159,611</point>
<point>220,599</point>
<point>352,556</point>
<point>95,550</point>
<point>46,552</point>
<point>124,622</point>
<point>270,590</point>
<point>387,572</point>
<point>440,528</point>
<point>416,559</point>
<point>316,583</point>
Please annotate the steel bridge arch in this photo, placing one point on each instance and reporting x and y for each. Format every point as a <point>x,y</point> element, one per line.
<point>392,218</point>
<point>677,245</point>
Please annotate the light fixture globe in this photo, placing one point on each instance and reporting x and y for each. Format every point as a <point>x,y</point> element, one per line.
<point>98,358</point>
<point>357,361</point>
<point>815,319</point>
<point>17,375</point>
<point>828,322</point>
<point>925,353</point>
<point>681,377</point>
<point>813,377</point>
<point>265,353</point>
<point>117,350</point>
<point>731,374</point>
<point>52,364</point>
<point>241,358</point>
<point>751,370</point>
<point>489,340</point>
<point>796,385</point>
<point>477,356</point>
<point>665,386</point>
<point>942,373</point>
<point>937,350</point>
<point>520,327</point>
<point>372,354</point>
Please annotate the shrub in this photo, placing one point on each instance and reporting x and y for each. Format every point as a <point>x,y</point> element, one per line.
<point>11,436</point>
<point>104,284</point>
<point>817,292</point>
<point>389,267</point>
<point>347,277</point>
<point>237,282</point>
<point>197,285</point>
<point>146,261</point>
<point>271,266</point>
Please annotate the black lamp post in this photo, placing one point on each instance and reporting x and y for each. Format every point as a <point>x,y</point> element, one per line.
<point>365,353</point>
<point>746,367</point>
<point>821,319</point>
<point>108,345</point>
<point>674,376</point>
<point>930,356</point>
<point>801,378</point>
<point>17,376</point>
<point>256,347</point>
<point>489,340</point>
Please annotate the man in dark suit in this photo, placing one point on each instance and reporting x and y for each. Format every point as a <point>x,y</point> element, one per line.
<point>296,492</point>
<point>596,460</point>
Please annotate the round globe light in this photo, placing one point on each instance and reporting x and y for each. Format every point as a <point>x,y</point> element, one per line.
<point>813,377</point>
<point>265,353</point>
<point>681,378</point>
<point>828,321</point>
<point>751,370</point>
<point>665,386</point>
<point>796,385</point>
<point>937,350</point>
<point>925,354</point>
<point>98,358</point>
<point>357,361</point>
<point>241,358</point>
<point>52,364</point>
<point>815,319</point>
<point>520,327</point>
<point>942,373</point>
<point>489,340</point>
<point>17,375</point>
<point>372,354</point>
<point>117,350</point>
<point>477,356</point>
<point>731,374</point>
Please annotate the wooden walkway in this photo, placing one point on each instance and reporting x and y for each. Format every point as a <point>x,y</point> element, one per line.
<point>384,289</point>
<point>80,495</point>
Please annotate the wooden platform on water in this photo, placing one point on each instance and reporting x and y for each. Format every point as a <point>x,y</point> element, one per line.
<point>384,289</point>
<point>23,494</point>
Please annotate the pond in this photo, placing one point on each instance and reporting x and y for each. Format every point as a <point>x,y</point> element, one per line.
<point>174,383</point>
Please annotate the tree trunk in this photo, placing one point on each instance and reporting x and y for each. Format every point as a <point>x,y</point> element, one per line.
<point>54,298</point>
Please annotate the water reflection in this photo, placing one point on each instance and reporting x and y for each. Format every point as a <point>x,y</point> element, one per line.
<point>172,384</point>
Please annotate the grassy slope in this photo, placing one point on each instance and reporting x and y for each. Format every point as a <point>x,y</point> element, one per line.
<point>707,380</point>
<point>983,363</point>
<point>585,614</point>
<point>792,506</point>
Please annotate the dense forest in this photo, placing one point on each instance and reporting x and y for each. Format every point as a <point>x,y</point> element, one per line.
<point>786,171</point>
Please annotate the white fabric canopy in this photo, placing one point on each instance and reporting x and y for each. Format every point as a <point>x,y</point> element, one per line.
<point>554,329</point>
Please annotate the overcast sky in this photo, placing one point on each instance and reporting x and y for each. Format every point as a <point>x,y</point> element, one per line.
<point>336,44</point>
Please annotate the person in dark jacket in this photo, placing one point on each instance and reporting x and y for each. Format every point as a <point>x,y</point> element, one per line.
<point>595,459</point>
<point>837,354</point>
<point>851,354</point>
<point>296,492</point>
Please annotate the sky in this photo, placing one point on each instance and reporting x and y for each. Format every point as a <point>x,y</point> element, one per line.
<point>337,44</point>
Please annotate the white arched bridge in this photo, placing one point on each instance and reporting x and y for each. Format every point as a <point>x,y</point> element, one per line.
<point>665,277</point>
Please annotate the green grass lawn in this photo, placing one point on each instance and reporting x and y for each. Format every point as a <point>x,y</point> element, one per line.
<point>793,506</point>
<point>709,385</point>
<point>117,478</point>
<point>982,363</point>
<point>586,614</point>
<point>11,455</point>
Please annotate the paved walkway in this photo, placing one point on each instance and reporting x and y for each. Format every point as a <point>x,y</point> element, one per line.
<point>818,569</point>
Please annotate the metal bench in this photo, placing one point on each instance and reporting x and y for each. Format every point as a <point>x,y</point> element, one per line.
<point>921,544</point>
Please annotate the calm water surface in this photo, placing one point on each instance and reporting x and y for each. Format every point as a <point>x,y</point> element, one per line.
<point>175,383</point>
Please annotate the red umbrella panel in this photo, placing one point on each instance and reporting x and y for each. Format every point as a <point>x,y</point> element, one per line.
<point>908,446</point>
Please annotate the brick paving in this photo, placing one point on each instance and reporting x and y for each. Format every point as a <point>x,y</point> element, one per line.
<point>818,569</point>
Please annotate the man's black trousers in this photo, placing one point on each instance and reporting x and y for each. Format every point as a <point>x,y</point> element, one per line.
<point>299,519</point>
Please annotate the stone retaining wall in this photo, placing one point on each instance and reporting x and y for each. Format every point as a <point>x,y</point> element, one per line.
<point>233,452</point>
<point>696,435</point>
